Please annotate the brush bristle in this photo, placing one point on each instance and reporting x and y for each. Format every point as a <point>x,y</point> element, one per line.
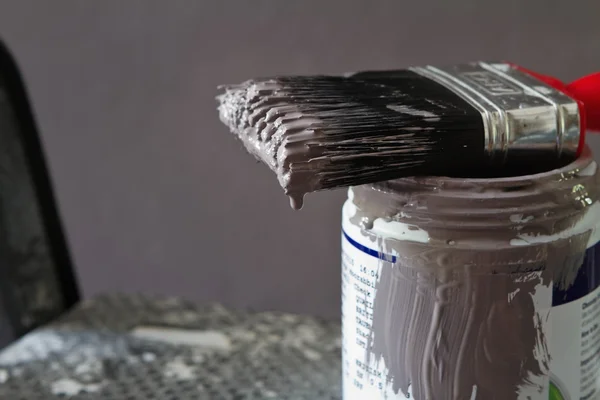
<point>322,132</point>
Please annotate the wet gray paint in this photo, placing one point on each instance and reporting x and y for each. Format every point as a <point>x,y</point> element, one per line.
<point>275,131</point>
<point>458,312</point>
<point>315,134</point>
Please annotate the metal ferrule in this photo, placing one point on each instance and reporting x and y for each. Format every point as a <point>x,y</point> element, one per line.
<point>519,112</point>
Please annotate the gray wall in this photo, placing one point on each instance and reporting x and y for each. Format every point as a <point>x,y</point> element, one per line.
<point>158,197</point>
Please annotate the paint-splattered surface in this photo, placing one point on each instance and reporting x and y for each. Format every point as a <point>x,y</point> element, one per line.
<point>137,348</point>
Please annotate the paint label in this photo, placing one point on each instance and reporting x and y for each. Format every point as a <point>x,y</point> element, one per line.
<point>571,324</point>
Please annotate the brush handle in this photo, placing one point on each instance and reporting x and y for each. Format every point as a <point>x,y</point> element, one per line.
<point>586,91</point>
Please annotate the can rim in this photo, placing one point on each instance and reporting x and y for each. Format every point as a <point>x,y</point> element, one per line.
<point>583,161</point>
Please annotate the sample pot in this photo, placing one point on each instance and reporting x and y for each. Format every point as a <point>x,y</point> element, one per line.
<point>462,289</point>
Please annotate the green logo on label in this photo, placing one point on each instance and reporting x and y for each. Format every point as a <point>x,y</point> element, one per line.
<point>555,393</point>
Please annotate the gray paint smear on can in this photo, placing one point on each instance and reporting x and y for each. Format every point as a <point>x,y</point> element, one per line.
<point>458,313</point>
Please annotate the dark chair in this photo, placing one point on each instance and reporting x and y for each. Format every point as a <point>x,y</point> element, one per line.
<point>37,280</point>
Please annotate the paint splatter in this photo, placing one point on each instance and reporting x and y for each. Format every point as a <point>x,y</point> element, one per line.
<point>179,370</point>
<point>447,330</point>
<point>70,387</point>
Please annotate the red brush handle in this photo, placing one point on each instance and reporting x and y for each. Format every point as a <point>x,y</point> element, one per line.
<point>587,93</point>
<point>587,90</point>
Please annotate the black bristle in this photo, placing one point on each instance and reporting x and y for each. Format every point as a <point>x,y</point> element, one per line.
<point>322,132</point>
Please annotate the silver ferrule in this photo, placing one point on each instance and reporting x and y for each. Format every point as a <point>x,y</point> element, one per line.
<point>519,112</point>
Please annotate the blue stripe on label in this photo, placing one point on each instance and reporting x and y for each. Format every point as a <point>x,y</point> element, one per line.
<point>588,279</point>
<point>371,252</point>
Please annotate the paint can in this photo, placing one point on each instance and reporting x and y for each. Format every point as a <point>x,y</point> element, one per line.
<point>462,289</point>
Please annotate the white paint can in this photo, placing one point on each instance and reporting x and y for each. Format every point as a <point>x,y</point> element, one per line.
<point>459,289</point>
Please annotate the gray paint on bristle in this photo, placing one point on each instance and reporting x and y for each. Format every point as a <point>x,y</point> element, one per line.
<point>323,132</point>
<point>273,130</point>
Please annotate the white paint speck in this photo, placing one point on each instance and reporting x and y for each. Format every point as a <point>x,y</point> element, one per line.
<point>311,355</point>
<point>289,318</point>
<point>350,194</point>
<point>411,111</point>
<point>3,376</point>
<point>181,317</point>
<point>543,89</point>
<point>244,335</point>
<point>512,295</point>
<point>337,343</point>
<point>590,170</point>
<point>299,337</point>
<point>395,229</point>
<point>588,223</point>
<point>503,67</point>
<point>170,302</point>
<point>198,356</point>
<point>179,370</point>
<point>212,340</point>
<point>349,206</point>
<point>520,218</point>
<point>88,368</point>
<point>148,357</point>
<point>69,387</point>
<point>474,392</point>
<point>40,344</point>
<point>266,392</point>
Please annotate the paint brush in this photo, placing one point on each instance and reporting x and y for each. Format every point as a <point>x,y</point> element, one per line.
<point>470,120</point>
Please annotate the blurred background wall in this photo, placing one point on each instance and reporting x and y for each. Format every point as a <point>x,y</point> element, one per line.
<point>158,197</point>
